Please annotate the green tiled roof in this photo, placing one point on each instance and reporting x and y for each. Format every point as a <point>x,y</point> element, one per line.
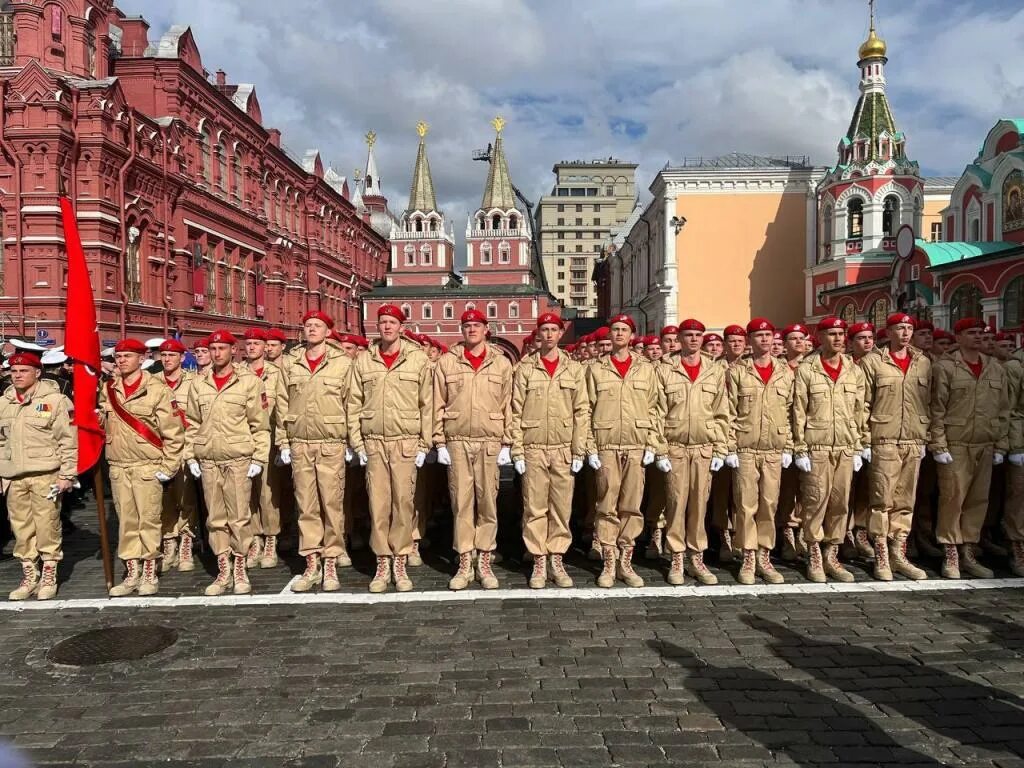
<point>870,119</point>
<point>943,254</point>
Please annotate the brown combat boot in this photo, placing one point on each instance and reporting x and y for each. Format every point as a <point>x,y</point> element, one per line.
<point>222,583</point>
<point>29,582</point>
<point>788,553</point>
<point>695,567</point>
<point>415,559</point>
<point>483,571</point>
<point>311,577</point>
<point>969,563</point>
<point>746,574</point>
<point>676,571</point>
<point>331,582</point>
<point>169,557</point>
<point>539,577</point>
<point>725,554</point>
<point>269,557</point>
<point>626,574</point>
<point>765,569</point>
<point>882,571</point>
<point>381,579</point>
<point>862,544</point>
<point>606,579</point>
<point>132,578</point>
<point>833,568</point>
<point>655,544</point>
<point>255,553</point>
<point>899,562</point>
<point>815,567</point>
<point>951,563</point>
<point>801,543</point>
<point>402,581</point>
<point>150,583</point>
<point>464,576</point>
<point>48,581</point>
<point>558,574</point>
<point>343,560</point>
<point>1017,564</point>
<point>241,577</point>
<point>185,560</point>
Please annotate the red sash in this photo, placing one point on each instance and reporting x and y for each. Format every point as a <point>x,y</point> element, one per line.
<point>141,429</point>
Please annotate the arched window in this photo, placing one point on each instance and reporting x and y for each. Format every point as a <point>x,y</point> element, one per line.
<point>426,256</point>
<point>848,313</point>
<point>222,166</point>
<point>492,310</point>
<point>496,222</point>
<point>890,215</point>
<point>879,311</point>
<point>826,234</point>
<point>965,302</point>
<point>513,222</point>
<point>410,256</point>
<point>504,253</point>
<point>470,305</point>
<point>236,174</point>
<point>419,224</point>
<point>448,312</point>
<point>481,223</point>
<point>855,218</point>
<point>513,310</point>
<point>433,224</point>
<point>205,165</point>
<point>427,312</point>
<point>1013,303</point>
<point>407,310</point>
<point>485,253</point>
<point>975,236</point>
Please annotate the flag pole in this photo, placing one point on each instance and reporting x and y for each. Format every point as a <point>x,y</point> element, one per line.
<point>101,511</point>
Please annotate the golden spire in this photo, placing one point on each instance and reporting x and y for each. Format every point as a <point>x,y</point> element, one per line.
<point>422,128</point>
<point>498,123</point>
<point>874,46</point>
<point>371,138</point>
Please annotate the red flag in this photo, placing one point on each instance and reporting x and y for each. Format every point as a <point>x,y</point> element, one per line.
<point>82,343</point>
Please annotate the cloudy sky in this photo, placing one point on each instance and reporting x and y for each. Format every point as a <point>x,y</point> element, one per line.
<point>650,81</point>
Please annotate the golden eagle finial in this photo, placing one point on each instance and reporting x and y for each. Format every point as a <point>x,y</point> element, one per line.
<point>422,128</point>
<point>371,138</point>
<point>498,123</point>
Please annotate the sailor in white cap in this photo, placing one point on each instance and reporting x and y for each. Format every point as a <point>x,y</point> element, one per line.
<point>26,346</point>
<point>53,357</point>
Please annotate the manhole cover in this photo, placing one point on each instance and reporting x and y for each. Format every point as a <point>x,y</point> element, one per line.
<point>105,646</point>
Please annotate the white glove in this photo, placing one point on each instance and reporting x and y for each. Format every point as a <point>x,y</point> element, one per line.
<point>924,452</point>
<point>162,477</point>
<point>285,457</point>
<point>194,468</point>
<point>1017,459</point>
<point>803,463</point>
<point>944,458</point>
<point>594,461</point>
<point>54,493</point>
<point>858,463</point>
<point>443,457</point>
<point>997,459</point>
<point>363,458</point>
<point>421,459</point>
<point>254,469</point>
<point>732,461</point>
<point>504,456</point>
<point>348,455</point>
<point>648,458</point>
<point>577,465</point>
<point>866,454</point>
<point>664,465</point>
<point>716,464</point>
<point>787,460</point>
<point>520,466</point>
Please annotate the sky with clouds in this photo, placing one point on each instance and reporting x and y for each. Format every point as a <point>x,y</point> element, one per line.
<point>650,81</point>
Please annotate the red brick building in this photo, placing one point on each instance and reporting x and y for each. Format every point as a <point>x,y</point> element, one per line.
<point>192,214</point>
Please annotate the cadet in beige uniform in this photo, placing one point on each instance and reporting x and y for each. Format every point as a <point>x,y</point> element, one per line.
<point>761,445</point>
<point>722,499</point>
<point>898,381</point>
<point>969,434</point>
<point>829,434</point>
<point>180,518</point>
<point>1013,517</point>
<point>390,418</point>
<point>695,406</point>
<point>312,436</point>
<point>472,418</point>
<point>860,344</point>
<point>550,426</point>
<point>625,437</point>
<point>38,458</point>
<point>145,439</point>
<point>227,444</point>
<point>788,514</point>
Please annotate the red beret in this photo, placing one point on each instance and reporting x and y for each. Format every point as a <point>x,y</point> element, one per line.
<point>222,337</point>
<point>130,345</point>
<point>601,333</point>
<point>924,325</point>
<point>638,341</point>
<point>360,341</point>
<point>882,335</point>
<point>651,341</point>
<point>203,343</point>
<point>830,322</point>
<point>757,324</point>
<point>625,320</point>
<point>989,329</point>
<point>256,334</point>
<point>794,328</point>
<point>1004,336</point>
<point>778,335</point>
<point>316,314</point>
<point>25,358</point>
<point>967,323</point>
<point>669,330</point>
<point>692,325</point>
<point>390,310</point>
<point>472,316</point>
<point>736,330</point>
<point>860,328</point>
<point>276,334</point>
<point>173,345</point>
<point>549,318</point>
<point>712,337</point>
<point>343,338</point>
<point>900,318</point>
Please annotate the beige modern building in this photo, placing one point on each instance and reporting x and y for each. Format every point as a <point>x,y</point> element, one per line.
<point>589,199</point>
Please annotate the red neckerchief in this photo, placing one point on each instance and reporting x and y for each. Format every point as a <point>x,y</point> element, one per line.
<point>833,373</point>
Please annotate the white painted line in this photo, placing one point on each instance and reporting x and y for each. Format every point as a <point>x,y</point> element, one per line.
<point>582,593</point>
<point>288,587</point>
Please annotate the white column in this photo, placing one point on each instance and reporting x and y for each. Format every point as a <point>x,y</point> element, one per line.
<point>670,267</point>
<point>993,306</point>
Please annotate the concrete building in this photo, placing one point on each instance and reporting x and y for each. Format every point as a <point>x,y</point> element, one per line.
<point>588,201</point>
<point>193,215</point>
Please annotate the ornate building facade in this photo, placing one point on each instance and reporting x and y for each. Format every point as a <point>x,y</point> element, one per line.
<point>192,213</point>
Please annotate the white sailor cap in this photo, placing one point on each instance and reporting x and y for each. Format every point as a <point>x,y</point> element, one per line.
<point>53,357</point>
<point>28,346</point>
<point>148,363</point>
<point>107,352</point>
<point>154,343</point>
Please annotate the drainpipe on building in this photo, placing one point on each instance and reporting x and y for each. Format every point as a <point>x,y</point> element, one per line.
<point>122,175</point>
<point>16,161</point>
<point>167,233</point>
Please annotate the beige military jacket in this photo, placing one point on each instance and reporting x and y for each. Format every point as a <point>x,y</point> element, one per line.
<point>829,414</point>
<point>153,403</point>
<point>624,411</point>
<point>391,404</point>
<point>36,435</point>
<point>1015,375</point>
<point>967,411</point>
<point>229,424</point>
<point>898,405</point>
<point>696,413</point>
<point>549,411</point>
<point>472,405</point>
<point>270,377</point>
<point>759,413</point>
<point>311,404</point>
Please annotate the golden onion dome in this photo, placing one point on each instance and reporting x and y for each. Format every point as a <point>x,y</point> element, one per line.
<point>873,47</point>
